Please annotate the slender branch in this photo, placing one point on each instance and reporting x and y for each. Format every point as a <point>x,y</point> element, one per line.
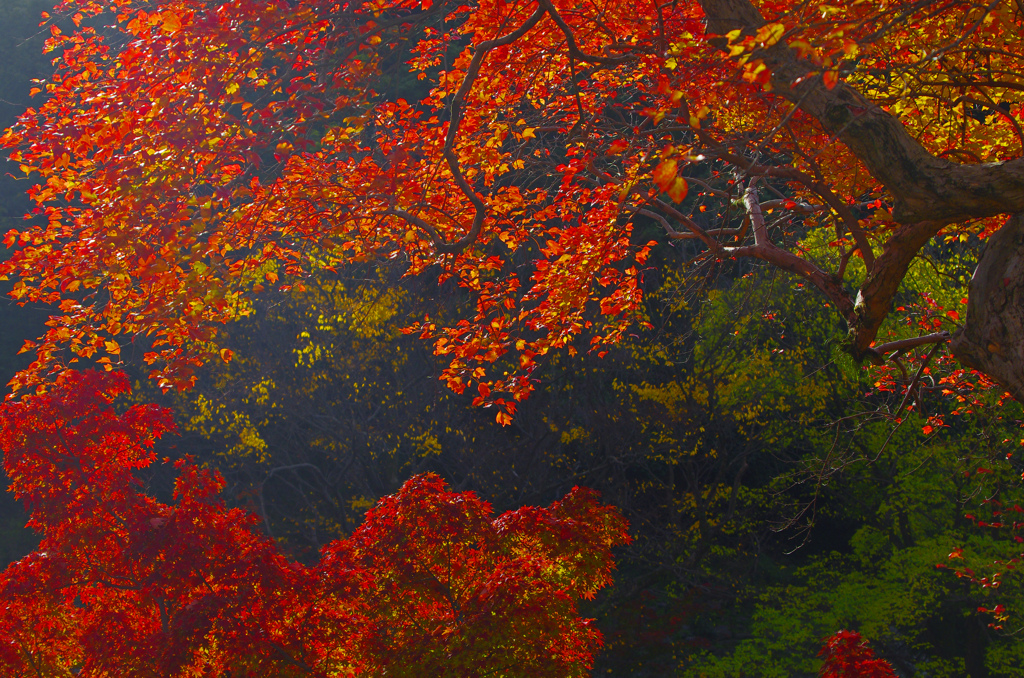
<point>697,231</point>
<point>756,217</point>
<point>917,377</point>
<point>787,261</point>
<point>820,189</point>
<point>574,49</point>
<point>904,345</point>
<point>713,232</point>
<point>458,101</point>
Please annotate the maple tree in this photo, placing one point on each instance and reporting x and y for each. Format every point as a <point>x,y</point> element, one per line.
<point>201,151</point>
<point>847,655</point>
<point>431,582</point>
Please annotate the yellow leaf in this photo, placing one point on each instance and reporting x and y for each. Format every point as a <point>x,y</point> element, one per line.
<point>770,34</point>
<point>802,47</point>
<point>528,133</point>
<point>171,23</point>
<point>112,347</point>
<point>226,354</point>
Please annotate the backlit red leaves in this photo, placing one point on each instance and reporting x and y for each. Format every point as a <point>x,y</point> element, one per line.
<point>847,655</point>
<point>122,584</point>
<point>222,144</point>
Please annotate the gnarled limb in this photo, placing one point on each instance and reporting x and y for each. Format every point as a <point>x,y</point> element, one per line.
<point>925,187</point>
<point>472,72</point>
<point>929,192</point>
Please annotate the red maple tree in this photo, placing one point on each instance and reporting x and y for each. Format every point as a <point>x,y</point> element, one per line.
<point>194,152</point>
<point>122,584</point>
<point>847,655</point>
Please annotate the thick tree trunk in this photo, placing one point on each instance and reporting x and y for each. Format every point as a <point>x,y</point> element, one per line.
<point>992,339</point>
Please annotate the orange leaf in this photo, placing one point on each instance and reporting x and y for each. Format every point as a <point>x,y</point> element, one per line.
<point>665,174</point>
<point>171,22</point>
<point>678,190</point>
<point>618,146</point>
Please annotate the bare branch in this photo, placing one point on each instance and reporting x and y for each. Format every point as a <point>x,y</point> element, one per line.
<point>904,345</point>
<point>756,217</point>
<point>574,49</point>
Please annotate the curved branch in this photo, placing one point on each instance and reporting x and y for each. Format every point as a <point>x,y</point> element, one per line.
<point>696,230</point>
<point>787,261</point>
<point>904,345</point>
<point>453,129</point>
<point>819,188</point>
<point>883,280</point>
<point>925,187</point>
<point>574,50</point>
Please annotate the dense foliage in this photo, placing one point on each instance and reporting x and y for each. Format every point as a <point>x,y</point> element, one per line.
<point>125,585</point>
<point>343,238</point>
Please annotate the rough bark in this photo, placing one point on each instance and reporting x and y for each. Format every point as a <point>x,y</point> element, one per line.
<point>924,187</point>
<point>992,339</point>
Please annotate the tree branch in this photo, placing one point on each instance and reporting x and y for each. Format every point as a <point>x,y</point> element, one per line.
<point>904,345</point>
<point>925,187</point>
<point>876,293</point>
<point>452,133</point>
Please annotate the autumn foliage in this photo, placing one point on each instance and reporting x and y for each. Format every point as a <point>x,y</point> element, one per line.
<point>431,584</point>
<point>847,655</point>
<point>189,155</point>
<point>194,153</point>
